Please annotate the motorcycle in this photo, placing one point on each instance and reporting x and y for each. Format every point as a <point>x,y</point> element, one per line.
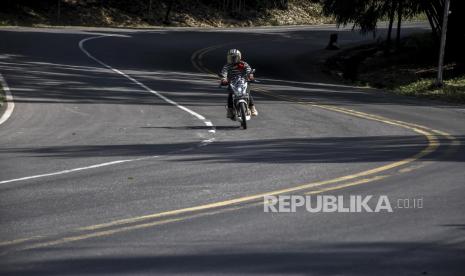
<point>241,97</point>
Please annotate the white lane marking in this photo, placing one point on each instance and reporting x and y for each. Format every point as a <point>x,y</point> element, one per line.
<point>81,46</point>
<point>76,169</point>
<point>193,113</point>
<point>10,105</point>
<point>210,124</point>
<point>207,141</point>
<point>190,111</point>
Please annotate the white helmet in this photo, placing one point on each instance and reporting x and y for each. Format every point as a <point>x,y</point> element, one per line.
<point>233,56</point>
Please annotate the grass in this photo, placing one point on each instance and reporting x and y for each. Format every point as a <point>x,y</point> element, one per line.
<point>453,89</point>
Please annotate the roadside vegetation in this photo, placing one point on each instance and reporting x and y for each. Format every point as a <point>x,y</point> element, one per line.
<point>453,90</point>
<point>406,66</point>
<point>149,13</point>
<point>409,70</point>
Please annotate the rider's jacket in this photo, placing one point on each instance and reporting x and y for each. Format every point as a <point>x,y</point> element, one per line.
<point>231,71</point>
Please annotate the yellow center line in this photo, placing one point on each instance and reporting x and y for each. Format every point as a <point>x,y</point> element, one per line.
<point>73,238</point>
<point>350,184</point>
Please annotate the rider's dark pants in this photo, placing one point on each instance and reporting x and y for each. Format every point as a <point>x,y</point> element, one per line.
<point>230,100</point>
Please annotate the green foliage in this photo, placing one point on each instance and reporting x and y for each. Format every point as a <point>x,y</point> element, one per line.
<point>146,13</point>
<point>453,90</point>
<point>143,5</point>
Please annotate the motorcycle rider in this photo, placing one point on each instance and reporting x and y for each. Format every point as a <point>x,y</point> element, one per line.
<point>235,67</point>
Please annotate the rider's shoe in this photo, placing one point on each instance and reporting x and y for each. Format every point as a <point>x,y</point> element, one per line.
<point>253,110</point>
<point>229,113</point>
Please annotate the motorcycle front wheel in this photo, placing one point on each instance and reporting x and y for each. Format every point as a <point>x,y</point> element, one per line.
<point>244,116</point>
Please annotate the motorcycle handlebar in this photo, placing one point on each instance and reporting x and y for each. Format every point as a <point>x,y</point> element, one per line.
<point>251,81</point>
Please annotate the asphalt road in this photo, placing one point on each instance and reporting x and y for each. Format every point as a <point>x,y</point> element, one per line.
<point>118,159</point>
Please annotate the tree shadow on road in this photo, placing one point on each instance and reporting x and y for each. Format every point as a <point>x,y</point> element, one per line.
<point>224,128</point>
<point>349,258</point>
<point>288,150</point>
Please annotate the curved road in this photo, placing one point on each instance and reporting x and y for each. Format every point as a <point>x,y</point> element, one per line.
<point>118,159</point>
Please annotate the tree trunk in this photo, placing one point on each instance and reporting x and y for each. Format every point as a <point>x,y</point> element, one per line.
<point>58,11</point>
<point>399,23</point>
<point>391,22</point>
<point>168,12</point>
<point>431,22</point>
<point>435,9</point>
<point>439,80</point>
<point>150,9</point>
<point>431,10</point>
